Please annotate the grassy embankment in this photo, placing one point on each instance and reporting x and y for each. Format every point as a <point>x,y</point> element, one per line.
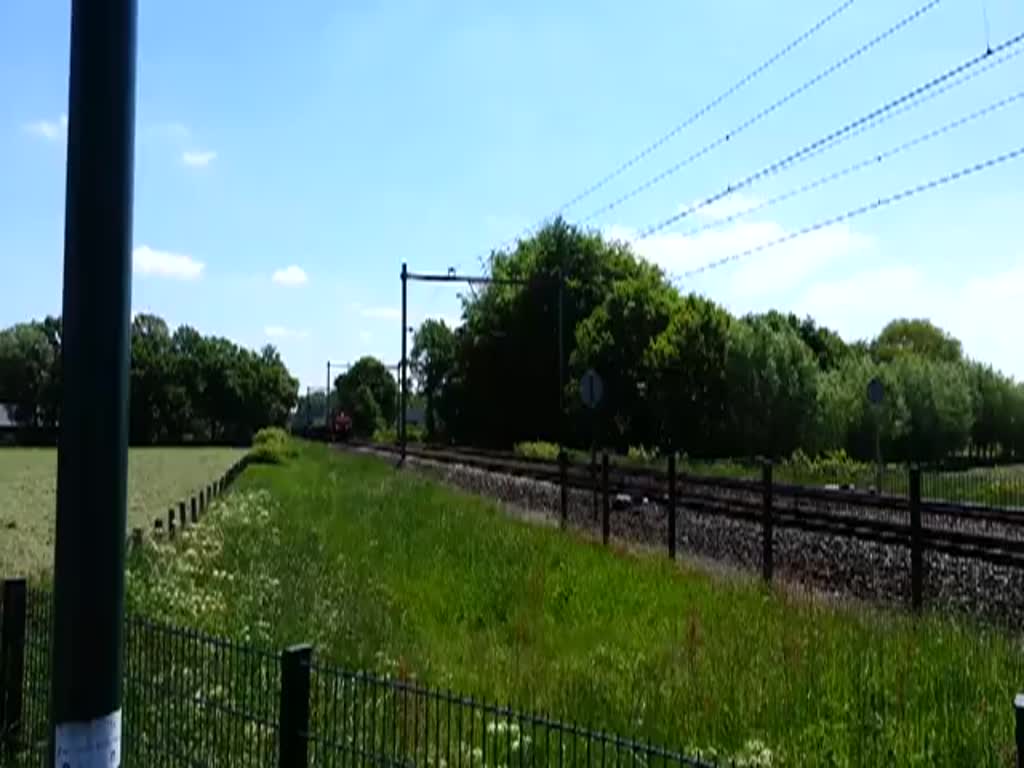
<point>385,570</point>
<point>157,478</point>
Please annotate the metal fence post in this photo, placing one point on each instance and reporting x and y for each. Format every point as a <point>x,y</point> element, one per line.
<point>293,746</point>
<point>767,524</point>
<point>12,661</point>
<point>672,505</point>
<point>916,554</point>
<point>1018,711</point>
<point>563,477</point>
<point>606,509</point>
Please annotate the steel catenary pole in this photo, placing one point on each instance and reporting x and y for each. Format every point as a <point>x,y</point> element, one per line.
<point>93,443</point>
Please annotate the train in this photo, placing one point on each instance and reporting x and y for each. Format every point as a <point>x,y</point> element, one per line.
<point>337,430</point>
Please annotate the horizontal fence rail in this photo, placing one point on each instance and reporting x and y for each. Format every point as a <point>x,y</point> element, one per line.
<point>194,699</point>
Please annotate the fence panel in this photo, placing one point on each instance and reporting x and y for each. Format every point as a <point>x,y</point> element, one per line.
<point>362,719</point>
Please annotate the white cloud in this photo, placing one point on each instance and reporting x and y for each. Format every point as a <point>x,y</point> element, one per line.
<point>759,274</point>
<point>292,275</point>
<point>198,159</point>
<point>51,130</point>
<point>281,332</point>
<point>380,313</point>
<point>860,304</point>
<point>149,261</point>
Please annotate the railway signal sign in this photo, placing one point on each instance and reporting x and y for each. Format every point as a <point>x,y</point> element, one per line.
<point>876,392</point>
<point>591,388</point>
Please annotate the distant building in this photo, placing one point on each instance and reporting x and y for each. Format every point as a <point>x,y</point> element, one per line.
<point>8,426</point>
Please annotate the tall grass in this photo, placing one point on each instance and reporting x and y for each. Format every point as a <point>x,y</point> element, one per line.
<point>384,570</point>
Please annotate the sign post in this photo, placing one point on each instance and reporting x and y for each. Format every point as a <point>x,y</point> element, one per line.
<point>876,394</point>
<point>92,457</point>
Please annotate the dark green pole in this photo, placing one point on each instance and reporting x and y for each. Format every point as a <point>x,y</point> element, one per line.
<point>405,334</point>
<point>93,444</point>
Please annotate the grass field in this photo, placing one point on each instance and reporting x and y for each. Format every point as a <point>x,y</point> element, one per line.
<point>157,477</point>
<point>384,570</point>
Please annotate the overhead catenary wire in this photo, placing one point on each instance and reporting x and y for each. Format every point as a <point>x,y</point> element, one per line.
<point>832,137</point>
<point>881,202</point>
<point>759,116</point>
<point>873,160</point>
<point>697,115</point>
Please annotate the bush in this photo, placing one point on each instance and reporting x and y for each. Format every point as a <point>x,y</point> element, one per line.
<point>389,435</point>
<point>537,449</point>
<point>271,446</point>
<point>270,436</point>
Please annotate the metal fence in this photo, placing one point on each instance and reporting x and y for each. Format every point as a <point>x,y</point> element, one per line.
<point>192,699</point>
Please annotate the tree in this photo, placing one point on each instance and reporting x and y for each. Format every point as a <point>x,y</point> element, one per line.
<point>27,365</point>
<point>150,403</point>
<point>433,364</point>
<point>616,340</point>
<point>772,384</point>
<point>939,402</point>
<point>508,366</point>
<point>916,337</point>
<point>374,407</point>
<point>688,361</point>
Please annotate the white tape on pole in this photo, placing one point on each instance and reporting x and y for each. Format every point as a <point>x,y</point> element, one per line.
<point>94,744</point>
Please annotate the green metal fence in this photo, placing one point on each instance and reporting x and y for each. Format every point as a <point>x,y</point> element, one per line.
<point>191,699</point>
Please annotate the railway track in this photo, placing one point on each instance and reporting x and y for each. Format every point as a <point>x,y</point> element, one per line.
<point>989,534</point>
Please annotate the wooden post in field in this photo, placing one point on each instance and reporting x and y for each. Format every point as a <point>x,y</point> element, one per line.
<point>767,524</point>
<point>672,505</point>
<point>916,548</point>
<point>1018,710</point>
<point>606,509</point>
<point>563,472</point>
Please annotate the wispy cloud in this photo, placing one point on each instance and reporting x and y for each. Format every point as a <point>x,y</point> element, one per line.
<point>51,130</point>
<point>292,275</point>
<point>281,332</point>
<point>198,159</point>
<point>779,268</point>
<point>380,313</point>
<point>176,266</point>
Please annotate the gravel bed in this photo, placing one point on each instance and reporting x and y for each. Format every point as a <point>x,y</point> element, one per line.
<point>833,565</point>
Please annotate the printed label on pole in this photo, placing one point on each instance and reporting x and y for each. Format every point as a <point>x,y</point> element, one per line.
<point>94,744</point>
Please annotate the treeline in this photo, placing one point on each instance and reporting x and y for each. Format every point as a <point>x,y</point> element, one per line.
<point>185,387</point>
<point>680,370</point>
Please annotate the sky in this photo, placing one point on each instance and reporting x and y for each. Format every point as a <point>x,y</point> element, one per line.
<point>290,157</point>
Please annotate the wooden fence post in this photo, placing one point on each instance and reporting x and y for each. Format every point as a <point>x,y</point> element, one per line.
<point>12,662</point>
<point>194,508</point>
<point>1018,711</point>
<point>672,505</point>
<point>293,725</point>
<point>170,522</point>
<point>767,524</point>
<point>606,509</point>
<point>563,475</point>
<point>916,548</point>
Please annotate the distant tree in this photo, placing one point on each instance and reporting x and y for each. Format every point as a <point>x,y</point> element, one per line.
<point>772,386</point>
<point>27,365</point>
<point>381,389</point>
<point>917,337</point>
<point>689,362</point>
<point>433,364</point>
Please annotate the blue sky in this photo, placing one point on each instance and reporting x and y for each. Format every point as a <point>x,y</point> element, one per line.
<point>290,156</point>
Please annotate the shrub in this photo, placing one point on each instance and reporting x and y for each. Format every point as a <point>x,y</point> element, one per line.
<point>271,446</point>
<point>537,449</point>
